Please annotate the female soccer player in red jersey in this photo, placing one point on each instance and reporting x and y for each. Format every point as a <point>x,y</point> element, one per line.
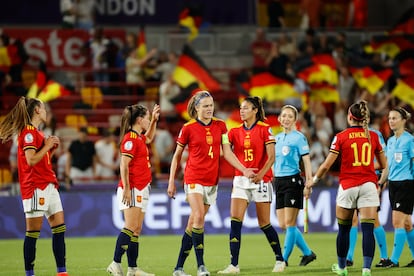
<point>358,183</point>
<point>38,182</point>
<point>137,130</point>
<point>254,145</point>
<point>206,137</point>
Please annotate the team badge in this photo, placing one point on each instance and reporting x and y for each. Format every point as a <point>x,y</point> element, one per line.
<point>285,150</point>
<point>42,201</point>
<point>192,186</point>
<point>209,140</point>
<point>28,138</point>
<point>139,198</point>
<point>128,145</point>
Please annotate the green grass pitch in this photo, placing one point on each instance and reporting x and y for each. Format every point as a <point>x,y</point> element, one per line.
<point>158,254</point>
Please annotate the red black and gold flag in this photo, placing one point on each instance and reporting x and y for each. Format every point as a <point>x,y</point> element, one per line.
<point>369,79</point>
<point>181,100</point>
<point>324,92</point>
<point>190,18</point>
<point>316,69</point>
<point>404,90</point>
<point>390,45</point>
<point>44,88</point>
<point>271,88</point>
<point>404,63</point>
<point>141,44</point>
<point>191,68</point>
<point>405,23</point>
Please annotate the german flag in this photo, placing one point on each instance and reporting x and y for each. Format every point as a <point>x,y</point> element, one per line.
<point>316,69</point>
<point>271,88</point>
<point>190,18</point>
<point>404,62</point>
<point>369,75</point>
<point>324,92</point>
<point>191,68</point>
<point>44,88</point>
<point>181,100</point>
<point>404,90</point>
<point>405,23</point>
<point>390,45</point>
<point>141,44</point>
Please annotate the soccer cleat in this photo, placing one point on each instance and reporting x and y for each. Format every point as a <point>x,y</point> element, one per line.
<point>180,272</point>
<point>338,271</point>
<point>140,272</point>
<point>202,271</point>
<point>411,264</point>
<point>349,263</point>
<point>307,259</point>
<point>231,269</point>
<point>390,264</point>
<point>279,266</point>
<point>115,269</point>
<point>366,272</point>
<point>383,263</point>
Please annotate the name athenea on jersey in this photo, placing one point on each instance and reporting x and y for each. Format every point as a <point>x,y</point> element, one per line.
<point>353,135</point>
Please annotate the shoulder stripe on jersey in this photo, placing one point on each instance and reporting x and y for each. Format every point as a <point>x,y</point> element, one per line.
<point>30,147</point>
<point>334,151</point>
<point>128,154</point>
<point>30,127</point>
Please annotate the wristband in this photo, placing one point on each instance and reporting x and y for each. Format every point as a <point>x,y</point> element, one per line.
<point>316,179</point>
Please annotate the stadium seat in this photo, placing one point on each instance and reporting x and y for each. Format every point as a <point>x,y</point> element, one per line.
<point>76,120</point>
<point>92,96</point>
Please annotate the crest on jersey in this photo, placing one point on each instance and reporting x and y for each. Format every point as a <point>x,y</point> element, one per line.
<point>209,139</point>
<point>128,145</point>
<point>285,150</point>
<point>28,138</point>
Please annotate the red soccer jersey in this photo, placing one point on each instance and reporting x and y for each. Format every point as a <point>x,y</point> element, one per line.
<point>249,145</point>
<point>39,175</point>
<point>133,145</point>
<point>357,156</point>
<point>204,144</point>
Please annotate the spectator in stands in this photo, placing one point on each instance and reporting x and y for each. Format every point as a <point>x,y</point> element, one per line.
<point>260,49</point>
<point>38,183</point>
<point>357,14</point>
<point>97,48</point>
<point>68,11</point>
<point>310,41</point>
<point>13,57</point>
<point>287,45</point>
<point>164,146</point>
<point>134,69</point>
<point>276,14</point>
<point>311,11</point>
<point>81,158</point>
<point>85,14</point>
<point>166,64</point>
<point>168,90</point>
<point>107,157</point>
<point>277,62</point>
